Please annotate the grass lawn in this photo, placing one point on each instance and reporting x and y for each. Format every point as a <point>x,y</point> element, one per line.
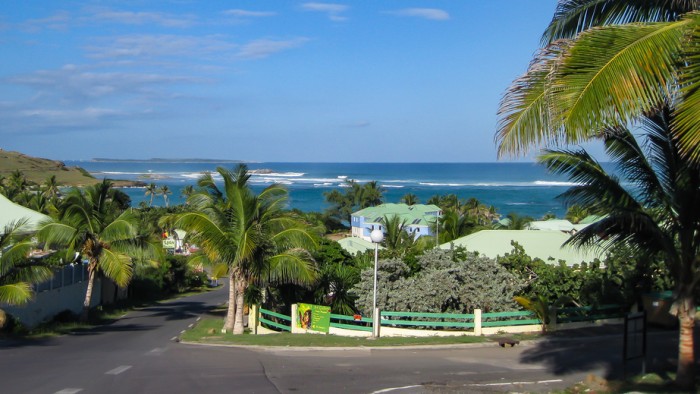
<point>209,331</point>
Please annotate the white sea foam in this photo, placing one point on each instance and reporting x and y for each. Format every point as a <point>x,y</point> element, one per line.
<point>393,186</point>
<point>555,183</point>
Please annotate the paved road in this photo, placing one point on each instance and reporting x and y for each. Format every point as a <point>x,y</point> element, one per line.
<point>136,354</point>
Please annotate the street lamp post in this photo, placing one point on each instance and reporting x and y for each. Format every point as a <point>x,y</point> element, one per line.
<point>376,236</point>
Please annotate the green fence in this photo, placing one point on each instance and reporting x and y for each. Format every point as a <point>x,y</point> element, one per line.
<point>351,323</point>
<point>502,319</point>
<point>427,319</point>
<point>266,319</point>
<point>589,313</point>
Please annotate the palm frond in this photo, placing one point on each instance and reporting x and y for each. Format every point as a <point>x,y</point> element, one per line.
<point>116,266</point>
<point>612,75</point>
<point>524,111</point>
<point>15,293</point>
<point>574,16</point>
<point>688,108</point>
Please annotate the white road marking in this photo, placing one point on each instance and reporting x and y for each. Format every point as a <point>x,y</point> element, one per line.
<point>156,352</point>
<point>69,391</point>
<point>514,383</point>
<point>395,389</point>
<point>118,370</point>
<point>190,326</point>
<point>182,332</point>
<point>173,339</point>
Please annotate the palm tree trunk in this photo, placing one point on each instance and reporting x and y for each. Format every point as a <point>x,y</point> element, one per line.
<point>231,312</point>
<point>685,374</point>
<point>240,292</point>
<point>88,295</point>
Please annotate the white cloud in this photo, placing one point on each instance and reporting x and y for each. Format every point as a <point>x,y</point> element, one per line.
<point>426,13</point>
<point>334,11</point>
<point>262,48</point>
<point>59,21</point>
<point>143,18</point>
<point>165,45</point>
<point>248,14</point>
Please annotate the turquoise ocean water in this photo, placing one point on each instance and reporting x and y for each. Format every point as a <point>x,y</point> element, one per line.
<point>523,188</point>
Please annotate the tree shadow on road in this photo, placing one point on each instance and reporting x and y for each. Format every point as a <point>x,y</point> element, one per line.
<point>600,350</point>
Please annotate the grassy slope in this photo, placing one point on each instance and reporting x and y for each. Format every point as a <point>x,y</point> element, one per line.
<point>37,170</point>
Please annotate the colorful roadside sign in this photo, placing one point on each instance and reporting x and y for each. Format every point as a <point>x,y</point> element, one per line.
<point>169,243</point>
<point>314,317</point>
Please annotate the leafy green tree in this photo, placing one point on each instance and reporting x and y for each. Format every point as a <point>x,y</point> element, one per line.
<point>92,224</point>
<point>443,284</point>
<point>453,226</point>
<point>659,216</point>
<point>187,191</point>
<point>355,196</point>
<point>17,271</point>
<point>251,234</point>
<point>513,221</point>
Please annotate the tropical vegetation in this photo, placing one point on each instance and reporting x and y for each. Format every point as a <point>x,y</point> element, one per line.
<point>608,65</point>
<point>251,234</point>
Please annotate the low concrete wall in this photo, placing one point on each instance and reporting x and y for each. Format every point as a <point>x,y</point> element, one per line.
<point>48,304</point>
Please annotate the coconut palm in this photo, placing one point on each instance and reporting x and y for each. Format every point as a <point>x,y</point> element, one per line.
<point>409,199</point>
<point>610,76</point>
<point>165,192</point>
<point>91,224</point>
<point>659,217</point>
<point>187,191</point>
<point>151,190</point>
<point>50,188</point>
<point>396,239</point>
<point>454,225</point>
<point>17,271</point>
<point>250,233</point>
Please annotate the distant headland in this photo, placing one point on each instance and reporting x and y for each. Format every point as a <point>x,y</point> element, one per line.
<point>162,160</point>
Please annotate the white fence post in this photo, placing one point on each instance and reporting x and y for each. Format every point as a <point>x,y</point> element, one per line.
<point>295,329</point>
<point>477,321</point>
<point>253,320</point>
<point>376,323</point>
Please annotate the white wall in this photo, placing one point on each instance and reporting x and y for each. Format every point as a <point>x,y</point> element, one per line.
<point>48,304</point>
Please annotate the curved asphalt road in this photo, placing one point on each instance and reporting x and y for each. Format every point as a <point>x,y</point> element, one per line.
<point>137,354</point>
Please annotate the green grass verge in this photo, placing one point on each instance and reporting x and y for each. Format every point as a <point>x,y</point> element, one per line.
<point>209,331</point>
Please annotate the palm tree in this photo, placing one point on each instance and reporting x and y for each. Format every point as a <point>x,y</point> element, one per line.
<point>396,239</point>
<point>372,194</point>
<point>455,226</point>
<point>250,233</point>
<point>575,213</point>
<point>409,199</point>
<point>165,191</point>
<point>659,217</point>
<point>17,271</point>
<point>50,187</point>
<point>591,80</point>
<point>91,224</point>
<point>187,191</point>
<point>151,190</point>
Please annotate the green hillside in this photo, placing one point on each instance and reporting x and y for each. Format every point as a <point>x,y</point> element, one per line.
<point>37,170</point>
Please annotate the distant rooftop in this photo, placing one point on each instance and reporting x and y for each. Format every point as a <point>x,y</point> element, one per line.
<point>11,212</point>
<point>543,244</point>
<point>418,214</point>
<point>353,245</point>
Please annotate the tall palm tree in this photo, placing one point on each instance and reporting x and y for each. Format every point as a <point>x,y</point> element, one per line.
<point>606,77</point>
<point>165,191</point>
<point>396,239</point>
<point>409,199</point>
<point>251,234</point>
<point>372,194</point>
<point>17,271</point>
<point>187,191</point>
<point>454,225</point>
<point>661,216</point>
<point>50,188</point>
<point>151,190</point>
<point>90,224</point>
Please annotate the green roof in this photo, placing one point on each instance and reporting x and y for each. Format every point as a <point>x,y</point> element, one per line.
<point>11,212</point>
<point>418,214</point>
<point>551,224</point>
<point>353,245</point>
<point>542,244</point>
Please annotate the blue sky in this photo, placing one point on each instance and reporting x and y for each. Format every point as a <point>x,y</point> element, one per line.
<point>362,81</point>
